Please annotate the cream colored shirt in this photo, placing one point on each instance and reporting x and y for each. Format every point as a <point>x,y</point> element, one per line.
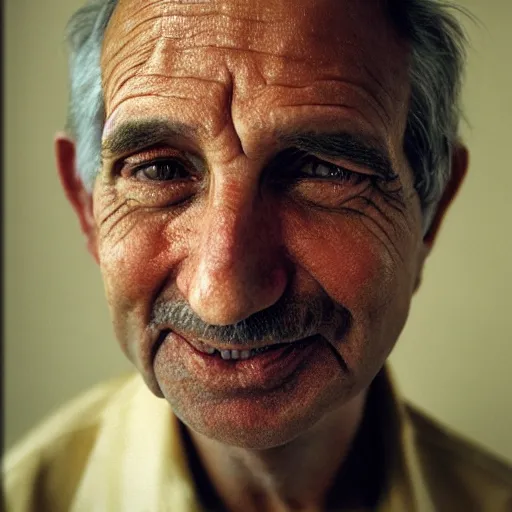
<point>119,448</point>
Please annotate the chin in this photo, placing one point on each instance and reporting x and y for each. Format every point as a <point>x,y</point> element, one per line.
<point>235,409</point>
<point>258,422</point>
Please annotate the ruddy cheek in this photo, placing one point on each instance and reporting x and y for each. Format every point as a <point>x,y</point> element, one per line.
<point>361,274</point>
<point>125,275</point>
<point>352,267</point>
<point>134,266</point>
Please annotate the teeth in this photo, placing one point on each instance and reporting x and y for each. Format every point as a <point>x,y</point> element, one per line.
<point>234,354</point>
<point>225,354</point>
<point>241,354</point>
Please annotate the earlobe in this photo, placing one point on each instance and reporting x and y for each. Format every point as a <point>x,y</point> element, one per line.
<point>77,194</point>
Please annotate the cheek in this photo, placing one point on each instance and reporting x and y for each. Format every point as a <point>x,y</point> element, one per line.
<point>131,263</point>
<point>138,249</point>
<point>357,268</point>
<point>352,266</point>
<point>363,274</point>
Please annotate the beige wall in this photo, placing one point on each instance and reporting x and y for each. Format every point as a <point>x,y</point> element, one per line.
<point>455,357</point>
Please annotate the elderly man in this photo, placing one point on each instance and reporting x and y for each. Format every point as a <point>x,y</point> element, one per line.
<point>260,183</point>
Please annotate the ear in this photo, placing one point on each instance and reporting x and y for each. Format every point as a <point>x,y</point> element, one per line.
<point>460,162</point>
<point>78,196</point>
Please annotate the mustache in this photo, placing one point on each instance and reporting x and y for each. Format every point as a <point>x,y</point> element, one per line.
<point>287,320</point>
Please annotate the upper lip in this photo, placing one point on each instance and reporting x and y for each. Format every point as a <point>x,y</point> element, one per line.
<point>199,344</point>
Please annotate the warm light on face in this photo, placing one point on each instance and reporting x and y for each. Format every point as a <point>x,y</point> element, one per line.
<point>254,191</point>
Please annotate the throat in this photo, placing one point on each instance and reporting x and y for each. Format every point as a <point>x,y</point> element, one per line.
<point>232,479</point>
<point>207,494</point>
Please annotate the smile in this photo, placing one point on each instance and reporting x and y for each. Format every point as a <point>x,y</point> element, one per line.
<point>228,354</point>
<point>241,352</point>
<point>255,367</point>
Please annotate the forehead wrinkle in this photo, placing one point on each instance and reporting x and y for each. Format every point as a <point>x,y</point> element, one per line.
<point>127,24</point>
<point>245,10</point>
<point>220,32</point>
<point>129,43</point>
<point>154,53</point>
<point>174,47</point>
<point>328,88</point>
<point>126,51</point>
<point>345,99</point>
<point>157,85</point>
<point>221,25</point>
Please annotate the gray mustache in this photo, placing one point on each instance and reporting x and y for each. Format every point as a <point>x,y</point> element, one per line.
<point>288,320</point>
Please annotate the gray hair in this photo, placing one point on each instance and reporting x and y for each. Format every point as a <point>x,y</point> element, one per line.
<point>86,109</point>
<point>437,63</point>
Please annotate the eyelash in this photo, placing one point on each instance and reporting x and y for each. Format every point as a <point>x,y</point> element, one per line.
<point>336,172</point>
<point>172,164</point>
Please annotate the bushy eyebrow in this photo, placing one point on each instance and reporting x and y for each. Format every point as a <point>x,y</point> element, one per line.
<point>131,136</point>
<point>354,148</point>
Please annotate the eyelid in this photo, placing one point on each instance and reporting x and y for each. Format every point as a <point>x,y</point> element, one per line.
<point>152,156</point>
<point>344,164</point>
<point>150,163</point>
<point>127,169</point>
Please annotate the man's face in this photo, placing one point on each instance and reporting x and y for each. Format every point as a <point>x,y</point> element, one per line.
<point>253,171</point>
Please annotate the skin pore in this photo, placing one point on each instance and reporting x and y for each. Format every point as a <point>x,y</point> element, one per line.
<point>252,158</point>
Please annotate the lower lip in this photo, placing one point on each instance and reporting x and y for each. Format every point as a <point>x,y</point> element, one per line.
<point>265,371</point>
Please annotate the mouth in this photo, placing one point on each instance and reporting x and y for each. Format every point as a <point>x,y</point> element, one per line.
<point>235,354</point>
<point>242,353</point>
<point>239,369</point>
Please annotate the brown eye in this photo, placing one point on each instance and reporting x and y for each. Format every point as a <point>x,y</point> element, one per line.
<point>163,170</point>
<point>321,183</point>
<point>324,170</point>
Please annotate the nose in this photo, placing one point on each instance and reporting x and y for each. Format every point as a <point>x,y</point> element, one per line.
<point>237,268</point>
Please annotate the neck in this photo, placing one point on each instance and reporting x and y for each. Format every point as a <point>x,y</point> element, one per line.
<point>296,476</point>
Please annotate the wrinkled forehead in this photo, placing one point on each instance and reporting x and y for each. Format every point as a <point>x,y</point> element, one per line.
<point>284,40</point>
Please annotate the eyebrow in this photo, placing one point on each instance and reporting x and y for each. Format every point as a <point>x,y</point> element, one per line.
<point>130,136</point>
<point>358,149</point>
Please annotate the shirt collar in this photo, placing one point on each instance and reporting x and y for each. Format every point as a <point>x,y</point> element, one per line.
<point>407,489</point>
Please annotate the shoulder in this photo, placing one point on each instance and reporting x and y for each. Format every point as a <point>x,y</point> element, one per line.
<point>458,471</point>
<point>49,461</point>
